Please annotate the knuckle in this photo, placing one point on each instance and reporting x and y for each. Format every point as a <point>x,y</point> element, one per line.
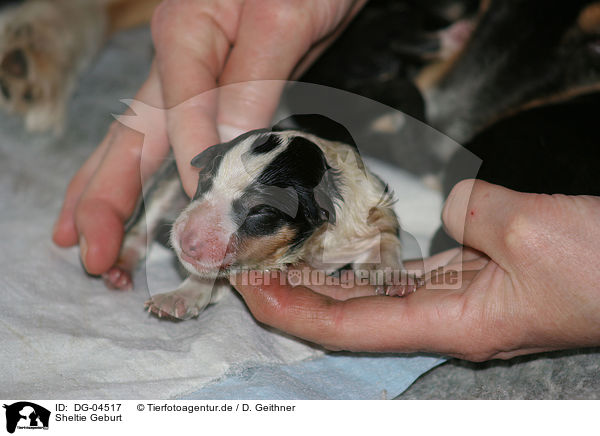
<point>82,207</point>
<point>75,184</point>
<point>522,232</point>
<point>129,149</point>
<point>284,16</point>
<point>160,18</point>
<point>174,20</point>
<point>168,20</point>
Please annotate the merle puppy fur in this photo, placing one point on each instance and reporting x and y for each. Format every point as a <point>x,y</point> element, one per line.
<point>265,200</point>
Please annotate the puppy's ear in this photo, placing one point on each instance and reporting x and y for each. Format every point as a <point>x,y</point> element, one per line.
<point>209,162</point>
<point>326,193</point>
<point>217,151</point>
<point>208,156</point>
<point>318,125</point>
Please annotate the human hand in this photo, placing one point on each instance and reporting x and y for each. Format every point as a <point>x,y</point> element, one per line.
<point>530,283</point>
<point>200,45</point>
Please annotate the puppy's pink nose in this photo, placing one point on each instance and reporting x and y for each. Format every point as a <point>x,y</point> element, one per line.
<point>191,244</point>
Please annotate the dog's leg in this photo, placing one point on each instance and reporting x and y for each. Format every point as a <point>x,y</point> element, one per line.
<point>189,299</point>
<point>384,261</point>
<point>387,253</point>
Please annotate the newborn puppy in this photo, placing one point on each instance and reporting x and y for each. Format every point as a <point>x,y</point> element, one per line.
<point>266,200</point>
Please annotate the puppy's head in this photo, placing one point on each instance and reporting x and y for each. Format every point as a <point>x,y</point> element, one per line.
<point>259,198</point>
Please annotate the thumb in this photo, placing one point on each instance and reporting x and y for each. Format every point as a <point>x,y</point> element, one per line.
<point>480,215</point>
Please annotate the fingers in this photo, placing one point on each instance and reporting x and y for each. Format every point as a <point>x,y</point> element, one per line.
<point>347,286</point>
<point>423,321</point>
<point>480,215</point>
<point>264,55</point>
<point>276,40</point>
<point>342,287</point>
<point>65,232</point>
<point>104,193</point>
<point>192,43</point>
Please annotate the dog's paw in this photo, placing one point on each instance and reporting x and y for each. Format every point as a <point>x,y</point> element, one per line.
<point>118,278</point>
<point>410,286</point>
<point>179,304</point>
<point>44,45</point>
<point>25,89</point>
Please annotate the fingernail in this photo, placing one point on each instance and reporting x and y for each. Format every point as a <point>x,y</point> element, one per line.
<point>83,248</point>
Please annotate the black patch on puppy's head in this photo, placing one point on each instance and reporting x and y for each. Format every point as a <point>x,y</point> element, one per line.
<point>210,159</point>
<point>318,125</point>
<point>265,144</point>
<point>296,189</point>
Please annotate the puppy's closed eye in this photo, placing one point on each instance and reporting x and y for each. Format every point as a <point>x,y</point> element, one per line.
<point>262,220</point>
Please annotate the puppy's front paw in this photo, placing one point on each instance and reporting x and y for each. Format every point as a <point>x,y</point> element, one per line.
<point>404,289</point>
<point>179,304</point>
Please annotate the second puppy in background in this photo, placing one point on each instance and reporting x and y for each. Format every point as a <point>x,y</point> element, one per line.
<point>46,44</point>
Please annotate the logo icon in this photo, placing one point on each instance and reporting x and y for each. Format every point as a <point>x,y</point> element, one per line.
<point>26,415</point>
<point>294,278</point>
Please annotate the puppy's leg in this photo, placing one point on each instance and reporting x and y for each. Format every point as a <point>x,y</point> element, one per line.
<point>189,299</point>
<point>384,255</point>
<point>384,260</point>
<point>163,200</point>
<point>387,274</point>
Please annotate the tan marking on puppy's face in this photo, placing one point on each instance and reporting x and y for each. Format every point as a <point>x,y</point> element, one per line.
<point>589,19</point>
<point>265,250</point>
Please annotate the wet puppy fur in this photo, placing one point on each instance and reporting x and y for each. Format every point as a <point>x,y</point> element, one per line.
<point>297,193</point>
